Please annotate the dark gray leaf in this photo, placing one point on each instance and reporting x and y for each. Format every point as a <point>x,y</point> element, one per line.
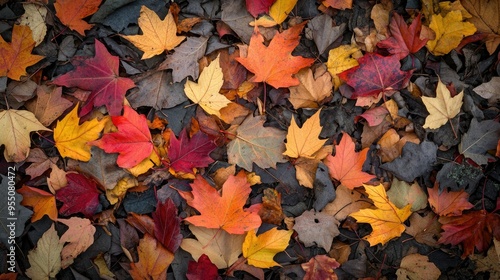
<point>416,160</point>
<point>459,177</point>
<point>324,31</point>
<point>237,17</point>
<point>481,137</point>
<point>324,192</point>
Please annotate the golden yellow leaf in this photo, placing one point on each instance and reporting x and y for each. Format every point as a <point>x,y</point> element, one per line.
<point>206,92</point>
<point>16,126</point>
<point>278,12</point>
<point>312,88</point>
<point>386,220</point>
<point>71,138</point>
<point>341,59</point>
<point>304,141</point>
<point>158,35</point>
<point>119,191</point>
<point>441,108</point>
<point>146,164</point>
<point>450,31</point>
<point>260,250</point>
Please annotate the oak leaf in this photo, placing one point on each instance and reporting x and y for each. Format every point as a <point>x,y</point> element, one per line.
<point>346,166</point>
<point>257,144</point>
<point>304,141</point>
<point>158,35</point>
<point>16,126</point>
<point>485,18</point>
<point>79,196</point>
<point>260,250</point>
<point>72,12</point>
<point>153,262</point>
<point>79,236</point>
<point>450,31</point>
<point>132,141</point>
<point>320,267</point>
<point>16,55</point>
<point>99,75</point>
<point>45,259</point>
<point>222,212</point>
<point>267,62</point>
<point>386,219</point>
<point>448,203</point>
<point>206,92</point>
<point>71,138</point>
<point>48,105</point>
<point>443,107</point>
<point>312,90</point>
<point>42,202</point>
<point>341,59</point>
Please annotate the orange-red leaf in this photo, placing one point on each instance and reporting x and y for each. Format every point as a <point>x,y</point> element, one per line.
<point>320,267</point>
<point>346,165</point>
<point>448,203</point>
<point>43,203</point>
<point>72,12</point>
<point>153,262</point>
<point>275,64</point>
<point>226,211</point>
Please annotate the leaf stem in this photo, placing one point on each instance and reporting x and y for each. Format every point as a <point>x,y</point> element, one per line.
<point>453,129</point>
<point>265,98</point>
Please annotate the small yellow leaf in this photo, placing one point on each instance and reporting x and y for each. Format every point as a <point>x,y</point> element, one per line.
<point>119,191</point>
<point>71,138</point>
<point>280,9</point>
<point>450,31</point>
<point>146,164</point>
<point>206,92</point>
<point>260,250</point>
<point>304,141</point>
<point>386,220</point>
<point>158,35</point>
<point>341,59</point>
<point>441,108</point>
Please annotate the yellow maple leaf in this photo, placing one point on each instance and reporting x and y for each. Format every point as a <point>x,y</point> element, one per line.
<point>312,90</point>
<point>158,35</point>
<point>16,126</point>
<point>278,12</point>
<point>304,142</point>
<point>71,138</point>
<point>450,31</point>
<point>386,220</point>
<point>341,59</point>
<point>441,108</point>
<point>260,250</point>
<point>118,192</point>
<point>206,92</point>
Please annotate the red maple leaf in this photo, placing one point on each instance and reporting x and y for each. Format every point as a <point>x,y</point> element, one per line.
<point>203,269</point>
<point>167,225</point>
<point>99,75</point>
<point>257,7</point>
<point>185,153</point>
<point>79,196</point>
<point>473,229</point>
<point>448,203</point>
<point>376,74</point>
<point>405,39</point>
<point>132,140</point>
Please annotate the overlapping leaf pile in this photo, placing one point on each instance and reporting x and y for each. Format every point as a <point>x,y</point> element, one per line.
<point>209,139</point>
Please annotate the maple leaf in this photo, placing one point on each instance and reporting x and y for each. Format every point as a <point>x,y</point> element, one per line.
<point>132,141</point>
<point>312,90</point>
<point>40,162</point>
<point>187,154</point>
<point>222,212</point>
<point>42,202</point>
<point>341,59</point>
<point>485,18</point>
<point>158,35</point>
<point>386,220</point>
<point>404,39</point>
<point>167,225</point>
<point>474,230</point>
<point>448,203</point>
<point>346,166</point>
<point>99,75</point>
<point>376,74</point>
<point>206,92</point>
<point>45,259</point>
<point>16,56</point>
<point>16,126</point>
<point>257,144</point>
<point>57,179</point>
<point>71,139</point>
<point>443,107</point>
<point>304,141</point>
<point>72,12</point>
<point>48,105</point>
<point>80,236</point>
<point>79,196</point>
<point>153,262</point>
<point>256,7</point>
<point>320,267</point>
<point>278,12</point>
<point>450,31</point>
<point>267,62</point>
<point>260,250</point>
<point>203,269</point>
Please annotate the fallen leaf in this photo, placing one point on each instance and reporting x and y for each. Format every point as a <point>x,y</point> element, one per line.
<point>374,116</point>
<point>187,154</point>
<point>346,166</point>
<point>316,228</point>
<point>338,4</point>
<point>325,31</point>
<point>271,211</point>
<point>479,139</point>
<point>34,17</point>
<point>402,193</point>
<point>72,12</point>
<point>117,193</point>
<point>418,267</point>
<point>167,225</point>
<point>404,39</point>
<point>79,236</point>
<point>312,90</point>
<point>443,107</point>
<point>40,162</point>
<point>45,259</point>
<point>346,201</point>
<point>448,203</point>
<point>153,262</point>
<point>48,105</point>
<point>202,269</point>
<point>320,267</point>
<point>280,10</point>
<point>488,263</point>
<point>260,250</point>
<point>258,7</point>
<point>341,59</point>
<point>266,62</point>
<point>99,75</point>
<point>57,179</point>
<point>489,90</point>
<point>79,196</point>
<point>450,31</point>
<point>426,229</point>
<point>72,139</point>
<point>17,125</point>
<point>16,55</point>
<point>158,35</point>
<point>485,19</point>
<point>42,202</point>
<point>304,141</point>
<point>386,219</point>
<point>380,16</point>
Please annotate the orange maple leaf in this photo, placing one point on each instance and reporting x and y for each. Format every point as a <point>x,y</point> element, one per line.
<point>275,64</point>
<point>226,211</point>
<point>346,165</point>
<point>72,12</point>
<point>16,55</point>
<point>448,203</point>
<point>43,203</point>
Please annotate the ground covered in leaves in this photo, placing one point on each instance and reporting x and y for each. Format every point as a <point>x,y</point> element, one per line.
<point>233,139</point>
